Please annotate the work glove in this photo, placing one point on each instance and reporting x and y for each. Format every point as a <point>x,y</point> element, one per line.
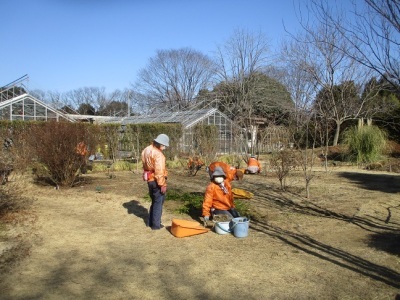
<point>163,189</point>
<point>205,220</point>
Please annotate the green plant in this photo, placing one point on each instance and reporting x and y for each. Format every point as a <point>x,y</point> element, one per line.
<point>243,208</point>
<point>190,201</point>
<point>193,203</point>
<point>147,198</point>
<point>175,164</point>
<point>366,144</point>
<point>99,167</point>
<point>141,135</point>
<point>122,166</point>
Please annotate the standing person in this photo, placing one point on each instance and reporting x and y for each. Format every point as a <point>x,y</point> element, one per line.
<point>155,173</point>
<point>253,165</point>
<point>218,198</point>
<point>82,152</point>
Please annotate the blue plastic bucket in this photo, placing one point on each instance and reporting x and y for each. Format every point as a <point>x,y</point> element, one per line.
<point>240,227</point>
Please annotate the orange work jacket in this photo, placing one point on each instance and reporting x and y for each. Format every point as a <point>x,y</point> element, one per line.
<point>215,198</point>
<point>81,149</point>
<point>154,161</point>
<point>253,162</point>
<point>229,171</point>
<point>195,162</point>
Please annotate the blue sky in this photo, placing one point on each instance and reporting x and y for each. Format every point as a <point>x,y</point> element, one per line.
<point>68,44</point>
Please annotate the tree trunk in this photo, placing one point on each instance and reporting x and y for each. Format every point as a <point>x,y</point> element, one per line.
<point>337,132</point>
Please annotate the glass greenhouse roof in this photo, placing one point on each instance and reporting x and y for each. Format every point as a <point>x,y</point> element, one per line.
<point>28,108</point>
<point>186,118</point>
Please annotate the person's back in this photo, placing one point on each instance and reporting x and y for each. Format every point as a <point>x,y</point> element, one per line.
<point>253,165</point>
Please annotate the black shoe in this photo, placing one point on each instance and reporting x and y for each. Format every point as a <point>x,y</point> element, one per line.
<point>155,228</point>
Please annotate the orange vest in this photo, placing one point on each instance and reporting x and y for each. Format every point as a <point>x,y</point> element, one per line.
<point>216,198</point>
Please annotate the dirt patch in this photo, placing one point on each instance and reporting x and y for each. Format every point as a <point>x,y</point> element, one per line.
<point>91,242</point>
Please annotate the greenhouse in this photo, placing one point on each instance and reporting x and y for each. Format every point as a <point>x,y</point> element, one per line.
<point>228,138</point>
<point>27,108</point>
<point>17,104</point>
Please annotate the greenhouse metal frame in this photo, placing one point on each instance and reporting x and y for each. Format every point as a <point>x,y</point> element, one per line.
<point>227,131</point>
<point>17,104</point>
<point>27,108</point>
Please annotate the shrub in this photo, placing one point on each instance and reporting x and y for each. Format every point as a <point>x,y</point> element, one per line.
<point>365,144</point>
<point>54,145</point>
<point>281,163</point>
<point>15,154</point>
<point>122,165</point>
<point>11,199</point>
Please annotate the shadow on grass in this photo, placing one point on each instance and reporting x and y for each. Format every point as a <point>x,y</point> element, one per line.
<point>375,182</point>
<point>134,207</point>
<point>386,241</point>
<point>384,233</point>
<point>294,203</point>
<point>331,254</point>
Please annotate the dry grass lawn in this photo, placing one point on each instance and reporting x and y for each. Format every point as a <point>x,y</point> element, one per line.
<point>91,242</point>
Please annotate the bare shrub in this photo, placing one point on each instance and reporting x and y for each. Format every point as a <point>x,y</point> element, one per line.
<point>54,145</point>
<point>205,142</point>
<point>11,199</point>
<point>281,163</point>
<point>14,152</point>
<point>111,135</point>
<point>15,213</point>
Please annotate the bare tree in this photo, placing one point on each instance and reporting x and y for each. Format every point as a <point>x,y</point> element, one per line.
<point>115,108</point>
<point>38,94</point>
<point>241,56</point>
<point>374,35</point>
<point>327,60</point>
<point>173,78</point>
<point>87,95</point>
<point>300,83</point>
<point>241,61</point>
<point>93,101</point>
<point>55,99</point>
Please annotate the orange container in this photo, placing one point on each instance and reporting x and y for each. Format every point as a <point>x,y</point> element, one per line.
<point>183,228</point>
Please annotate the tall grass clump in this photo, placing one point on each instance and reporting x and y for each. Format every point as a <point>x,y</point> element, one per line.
<point>365,144</point>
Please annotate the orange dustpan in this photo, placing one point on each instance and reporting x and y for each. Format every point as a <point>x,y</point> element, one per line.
<point>184,228</point>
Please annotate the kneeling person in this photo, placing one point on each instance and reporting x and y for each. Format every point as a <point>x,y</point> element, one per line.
<point>253,165</point>
<point>218,199</point>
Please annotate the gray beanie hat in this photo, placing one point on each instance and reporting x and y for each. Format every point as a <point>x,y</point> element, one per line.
<point>218,172</point>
